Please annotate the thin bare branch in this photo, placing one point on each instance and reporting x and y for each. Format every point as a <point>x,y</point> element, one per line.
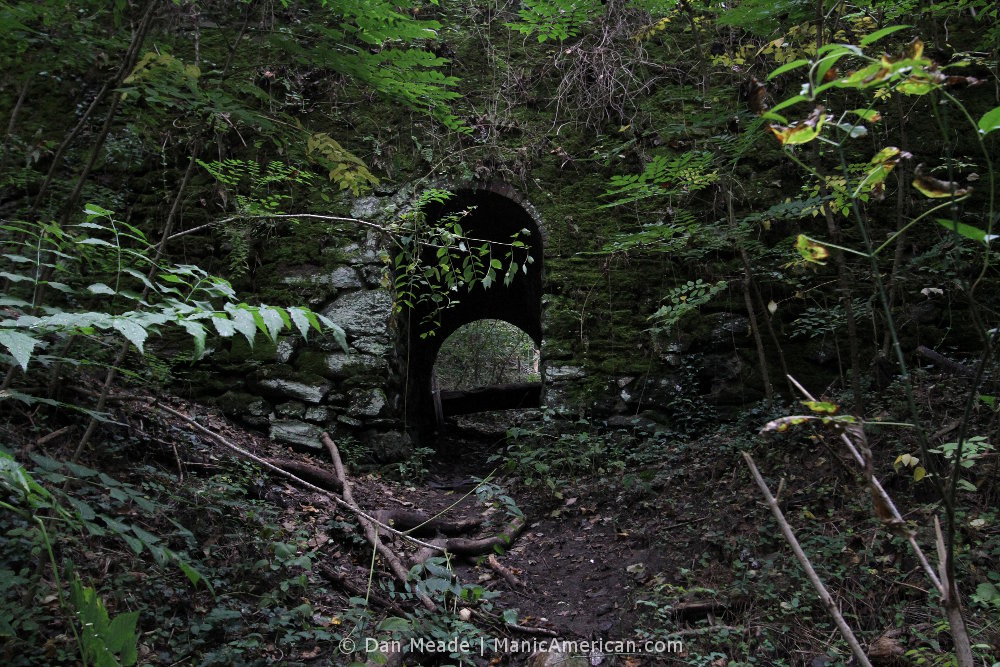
<point>824,595</point>
<point>881,493</point>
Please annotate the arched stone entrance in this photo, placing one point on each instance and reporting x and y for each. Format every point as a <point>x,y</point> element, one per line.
<point>498,213</point>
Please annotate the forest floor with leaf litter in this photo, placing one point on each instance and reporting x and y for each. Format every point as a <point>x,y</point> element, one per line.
<point>629,535</point>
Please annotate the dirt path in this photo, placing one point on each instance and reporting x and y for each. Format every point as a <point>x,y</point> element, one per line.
<point>579,569</point>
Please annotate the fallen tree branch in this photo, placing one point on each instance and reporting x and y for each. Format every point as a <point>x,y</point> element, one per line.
<point>368,525</point>
<point>891,518</point>
<point>946,364</point>
<point>884,500</point>
<point>361,514</point>
<point>824,595</point>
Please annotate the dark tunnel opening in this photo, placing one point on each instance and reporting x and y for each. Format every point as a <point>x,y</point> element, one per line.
<point>495,218</point>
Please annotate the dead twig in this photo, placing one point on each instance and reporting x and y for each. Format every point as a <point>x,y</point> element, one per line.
<point>46,439</point>
<point>180,465</point>
<point>504,572</point>
<point>524,629</point>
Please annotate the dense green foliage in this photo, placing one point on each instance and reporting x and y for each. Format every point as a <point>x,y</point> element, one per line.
<point>819,169</point>
<point>484,353</point>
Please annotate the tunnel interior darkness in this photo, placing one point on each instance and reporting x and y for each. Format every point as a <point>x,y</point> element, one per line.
<point>495,218</point>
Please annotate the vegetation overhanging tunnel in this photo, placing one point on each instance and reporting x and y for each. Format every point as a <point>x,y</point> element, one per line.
<point>494,217</point>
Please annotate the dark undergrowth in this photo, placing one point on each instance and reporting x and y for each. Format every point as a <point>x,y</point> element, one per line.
<point>166,545</point>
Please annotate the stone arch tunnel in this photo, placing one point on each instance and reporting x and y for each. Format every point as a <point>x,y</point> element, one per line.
<point>497,212</point>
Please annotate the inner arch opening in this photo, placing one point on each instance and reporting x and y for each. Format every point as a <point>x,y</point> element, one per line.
<point>494,215</point>
<point>486,365</point>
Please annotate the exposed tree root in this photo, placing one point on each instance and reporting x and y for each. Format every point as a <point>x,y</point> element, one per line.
<point>463,546</point>
<point>390,557</point>
<point>436,547</point>
<point>313,475</point>
<point>418,522</point>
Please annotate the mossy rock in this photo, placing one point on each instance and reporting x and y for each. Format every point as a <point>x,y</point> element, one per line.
<point>263,350</point>
<point>343,366</point>
<point>296,433</point>
<point>235,403</point>
<point>282,382</point>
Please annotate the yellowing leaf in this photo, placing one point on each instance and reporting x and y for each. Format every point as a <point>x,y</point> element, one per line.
<point>914,50</point>
<point>649,31</point>
<point>919,473</point>
<point>936,188</point>
<point>802,132</point>
<point>869,115</point>
<point>822,407</point>
<point>885,161</point>
<point>889,156</point>
<point>810,250</point>
<point>782,424</point>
